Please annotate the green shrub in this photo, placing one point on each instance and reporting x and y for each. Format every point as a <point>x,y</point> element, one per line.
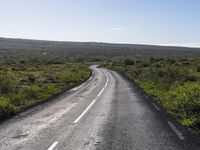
<point>6,108</point>
<point>7,83</point>
<point>198,69</point>
<point>128,62</point>
<point>144,65</point>
<point>184,102</point>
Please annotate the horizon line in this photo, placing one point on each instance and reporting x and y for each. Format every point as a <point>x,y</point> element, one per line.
<point>182,45</point>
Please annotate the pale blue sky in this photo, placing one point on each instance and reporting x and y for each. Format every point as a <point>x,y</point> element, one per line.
<point>166,22</point>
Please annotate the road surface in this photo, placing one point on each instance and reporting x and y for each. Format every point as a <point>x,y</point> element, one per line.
<point>105,113</point>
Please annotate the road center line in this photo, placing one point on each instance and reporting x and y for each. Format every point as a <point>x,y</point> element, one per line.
<point>85,111</point>
<point>176,131</point>
<point>101,91</point>
<point>53,145</point>
<point>92,103</point>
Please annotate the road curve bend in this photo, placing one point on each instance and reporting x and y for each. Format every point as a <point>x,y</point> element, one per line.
<point>104,113</point>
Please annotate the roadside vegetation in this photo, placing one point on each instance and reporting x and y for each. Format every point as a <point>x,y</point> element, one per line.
<point>32,71</point>
<point>172,82</point>
<point>24,84</point>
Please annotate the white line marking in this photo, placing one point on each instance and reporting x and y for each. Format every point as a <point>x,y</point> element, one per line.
<point>90,78</point>
<point>156,107</point>
<point>101,91</point>
<point>53,145</point>
<point>76,88</point>
<point>85,111</point>
<point>176,131</point>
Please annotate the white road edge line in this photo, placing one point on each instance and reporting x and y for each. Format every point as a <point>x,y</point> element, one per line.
<point>176,131</point>
<point>76,88</point>
<point>156,107</point>
<point>90,78</point>
<point>53,145</point>
<point>84,112</point>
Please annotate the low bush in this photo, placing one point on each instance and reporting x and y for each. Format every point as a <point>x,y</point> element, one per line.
<point>128,62</point>
<point>6,108</point>
<point>30,83</point>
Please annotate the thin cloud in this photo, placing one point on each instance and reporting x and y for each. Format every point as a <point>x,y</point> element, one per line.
<point>117,29</point>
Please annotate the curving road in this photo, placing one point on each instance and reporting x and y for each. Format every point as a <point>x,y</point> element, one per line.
<point>106,112</point>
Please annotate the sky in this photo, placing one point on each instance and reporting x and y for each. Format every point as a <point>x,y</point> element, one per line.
<point>155,22</point>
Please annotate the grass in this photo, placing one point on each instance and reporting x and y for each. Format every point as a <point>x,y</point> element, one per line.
<point>25,84</point>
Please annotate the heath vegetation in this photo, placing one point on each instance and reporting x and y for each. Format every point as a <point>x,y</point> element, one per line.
<point>24,84</point>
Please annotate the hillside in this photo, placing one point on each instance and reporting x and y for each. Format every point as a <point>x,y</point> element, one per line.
<point>13,49</point>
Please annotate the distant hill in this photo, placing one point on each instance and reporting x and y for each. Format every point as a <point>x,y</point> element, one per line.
<point>11,49</point>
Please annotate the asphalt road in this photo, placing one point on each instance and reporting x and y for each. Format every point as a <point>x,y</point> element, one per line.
<point>106,112</point>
